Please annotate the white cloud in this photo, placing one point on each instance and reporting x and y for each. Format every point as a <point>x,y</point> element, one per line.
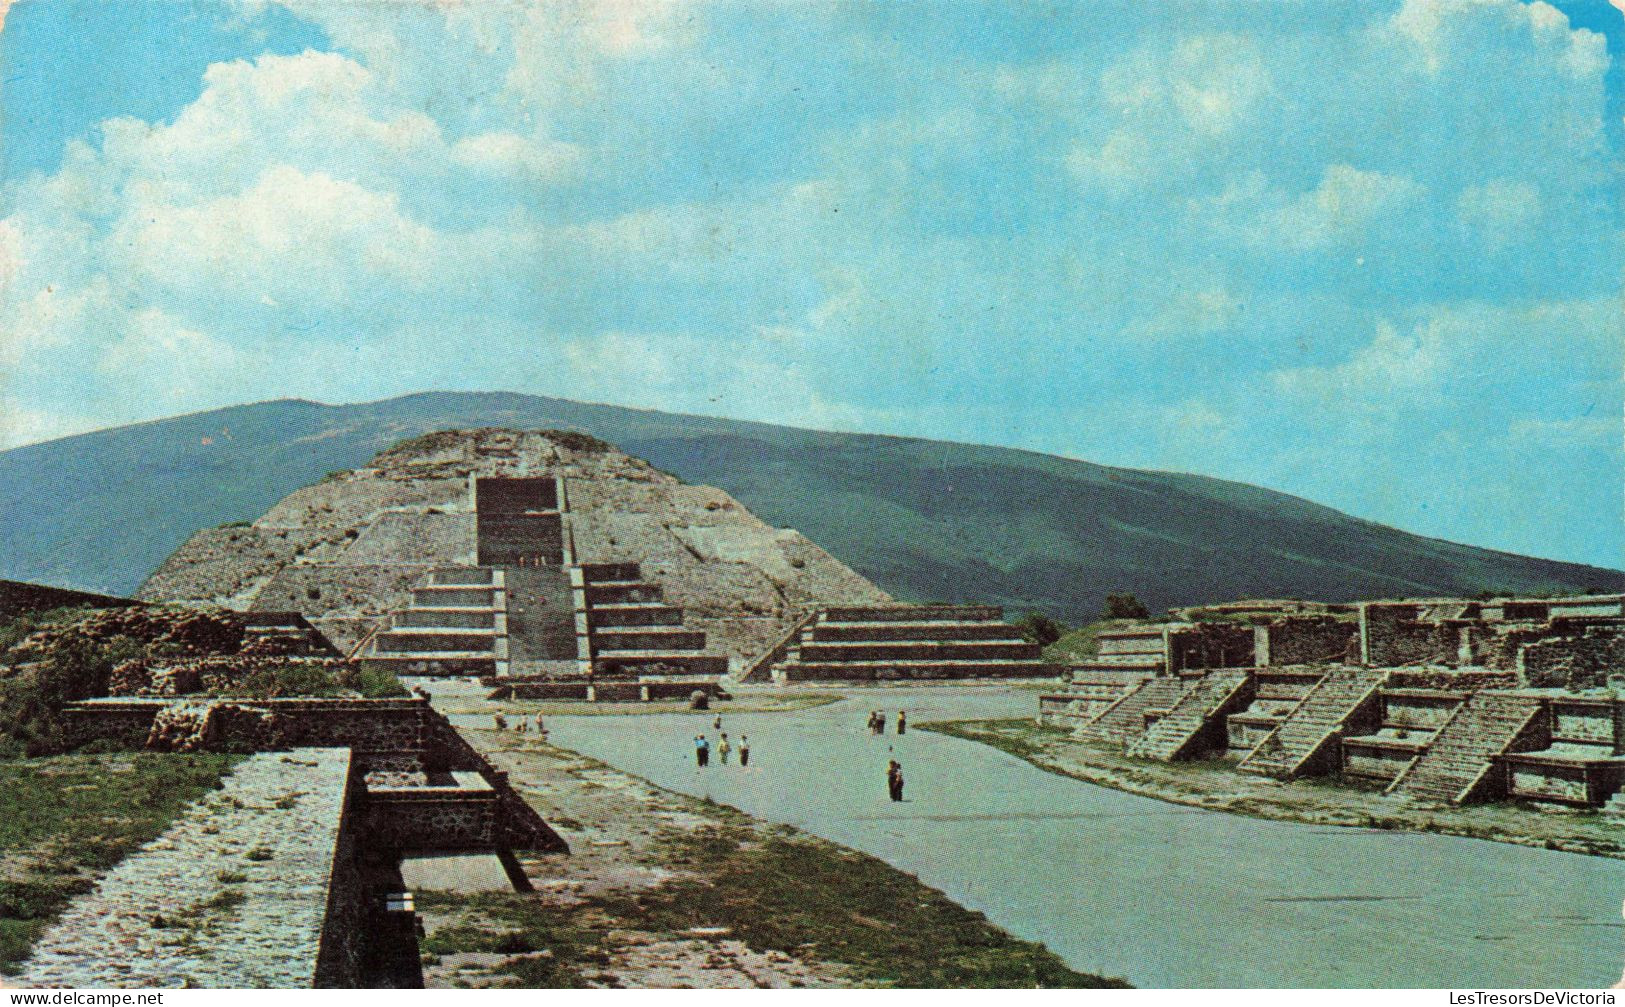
<point>294,237</point>
<point>511,154</point>
<point>1341,208</point>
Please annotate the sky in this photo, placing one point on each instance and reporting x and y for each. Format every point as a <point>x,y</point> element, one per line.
<point>1366,253</point>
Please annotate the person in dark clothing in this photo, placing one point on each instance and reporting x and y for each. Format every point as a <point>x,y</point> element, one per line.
<point>894,780</point>
<point>702,751</point>
<point>902,722</point>
<point>744,750</point>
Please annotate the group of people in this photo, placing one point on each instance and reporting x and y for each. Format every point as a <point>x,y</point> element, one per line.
<point>877,722</point>
<point>702,747</point>
<point>520,724</point>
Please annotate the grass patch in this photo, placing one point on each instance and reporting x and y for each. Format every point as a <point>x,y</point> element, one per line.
<point>772,889</point>
<point>552,946</point>
<point>71,818</point>
<point>1083,643</point>
<point>811,897</point>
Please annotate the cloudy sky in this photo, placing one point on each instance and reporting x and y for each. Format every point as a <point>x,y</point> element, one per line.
<point>1368,254</point>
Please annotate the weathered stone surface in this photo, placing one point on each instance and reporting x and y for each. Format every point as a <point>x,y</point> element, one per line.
<point>234,894</point>
<point>348,550</point>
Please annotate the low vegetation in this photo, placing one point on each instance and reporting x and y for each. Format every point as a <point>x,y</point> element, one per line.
<point>64,821</point>
<point>775,891</point>
<point>315,679</point>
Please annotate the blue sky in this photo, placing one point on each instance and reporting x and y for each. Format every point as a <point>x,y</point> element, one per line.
<point>1368,253</point>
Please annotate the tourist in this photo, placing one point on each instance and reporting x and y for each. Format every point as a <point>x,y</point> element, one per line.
<point>744,750</point>
<point>521,725</point>
<point>501,721</point>
<point>724,748</point>
<point>716,725</point>
<point>539,728</point>
<point>880,722</point>
<point>902,722</point>
<point>894,780</point>
<point>702,751</point>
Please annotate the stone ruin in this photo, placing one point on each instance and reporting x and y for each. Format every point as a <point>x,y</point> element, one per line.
<point>1448,701</point>
<point>553,566</point>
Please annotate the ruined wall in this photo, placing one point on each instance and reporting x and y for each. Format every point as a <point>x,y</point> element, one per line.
<point>1211,645</point>
<point>1584,660</point>
<point>1393,637</point>
<point>1312,640</point>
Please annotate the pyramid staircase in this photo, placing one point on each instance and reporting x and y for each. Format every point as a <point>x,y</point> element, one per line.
<point>1459,765</point>
<point>626,629</point>
<point>907,642</point>
<point>1125,720</point>
<point>1303,742</point>
<point>1196,722</point>
<point>456,624</point>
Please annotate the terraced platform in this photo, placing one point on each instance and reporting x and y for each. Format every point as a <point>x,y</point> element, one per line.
<point>904,643</point>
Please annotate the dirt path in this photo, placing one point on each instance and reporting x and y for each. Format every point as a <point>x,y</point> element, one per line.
<point>666,891</point>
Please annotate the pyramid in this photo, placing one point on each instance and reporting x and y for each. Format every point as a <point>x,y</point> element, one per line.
<point>522,553</point>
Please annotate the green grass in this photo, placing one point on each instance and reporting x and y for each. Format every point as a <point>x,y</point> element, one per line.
<point>1083,643</point>
<point>316,681</point>
<point>71,818</point>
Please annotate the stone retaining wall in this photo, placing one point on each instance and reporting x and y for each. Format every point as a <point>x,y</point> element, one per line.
<point>237,893</point>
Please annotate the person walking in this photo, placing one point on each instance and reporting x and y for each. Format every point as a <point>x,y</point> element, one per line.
<point>724,748</point>
<point>702,751</point>
<point>744,750</point>
<point>902,722</point>
<point>716,725</point>
<point>539,728</point>
<point>894,780</point>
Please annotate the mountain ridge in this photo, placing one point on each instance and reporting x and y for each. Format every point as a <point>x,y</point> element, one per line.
<point>926,520</point>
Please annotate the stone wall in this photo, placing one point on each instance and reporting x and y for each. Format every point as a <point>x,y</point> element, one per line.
<point>384,735</point>
<point>1393,637</point>
<point>1581,660</point>
<point>1211,645</point>
<point>1312,640</point>
<point>234,894</point>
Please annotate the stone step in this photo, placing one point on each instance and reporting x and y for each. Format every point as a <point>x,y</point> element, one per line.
<point>1462,752</point>
<point>908,650</point>
<point>445,618</point>
<point>912,613</point>
<point>1199,711</point>
<point>1125,720</point>
<point>860,632</point>
<point>432,664</point>
<point>1299,743</point>
<point>426,640</point>
<point>796,670</point>
<point>621,591</point>
<point>593,573</point>
<point>453,596</point>
<point>660,662</point>
<point>606,641</point>
<point>462,576</point>
<point>635,613</point>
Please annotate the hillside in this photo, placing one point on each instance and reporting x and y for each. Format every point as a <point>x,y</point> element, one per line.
<point>925,520</point>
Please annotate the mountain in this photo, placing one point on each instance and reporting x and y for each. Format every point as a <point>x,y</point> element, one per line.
<point>925,520</point>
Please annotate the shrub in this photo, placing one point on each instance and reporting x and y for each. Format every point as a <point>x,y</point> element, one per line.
<point>1036,627</point>
<point>1125,606</point>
